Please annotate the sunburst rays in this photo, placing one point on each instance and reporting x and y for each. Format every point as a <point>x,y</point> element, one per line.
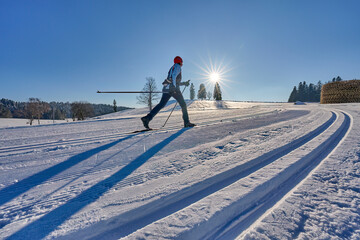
<point>211,71</point>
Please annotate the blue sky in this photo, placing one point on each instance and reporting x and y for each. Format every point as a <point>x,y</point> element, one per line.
<point>67,50</point>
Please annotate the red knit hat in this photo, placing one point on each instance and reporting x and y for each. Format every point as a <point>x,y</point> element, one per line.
<point>178,59</point>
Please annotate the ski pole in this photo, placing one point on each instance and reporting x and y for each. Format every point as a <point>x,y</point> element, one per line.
<point>173,108</point>
<point>128,92</point>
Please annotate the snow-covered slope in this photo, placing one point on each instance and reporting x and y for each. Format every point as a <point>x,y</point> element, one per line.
<point>247,171</point>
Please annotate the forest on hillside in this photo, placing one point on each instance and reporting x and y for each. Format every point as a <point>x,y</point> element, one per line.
<point>308,92</point>
<point>35,108</point>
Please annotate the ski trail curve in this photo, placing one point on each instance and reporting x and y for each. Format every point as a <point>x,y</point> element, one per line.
<point>233,213</point>
<point>152,213</point>
<point>298,172</point>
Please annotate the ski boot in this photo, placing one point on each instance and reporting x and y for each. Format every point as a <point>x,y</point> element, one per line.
<point>145,122</point>
<point>189,124</point>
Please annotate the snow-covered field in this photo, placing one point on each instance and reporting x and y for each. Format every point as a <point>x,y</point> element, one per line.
<point>20,122</point>
<point>247,171</point>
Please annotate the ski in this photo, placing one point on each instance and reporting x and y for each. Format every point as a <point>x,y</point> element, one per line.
<point>144,130</point>
<point>154,129</point>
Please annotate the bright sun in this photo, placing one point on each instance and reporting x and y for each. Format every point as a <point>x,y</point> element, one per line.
<point>214,77</point>
<point>214,72</point>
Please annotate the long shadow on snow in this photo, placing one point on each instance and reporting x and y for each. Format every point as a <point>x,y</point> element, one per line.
<point>153,211</point>
<point>49,222</point>
<point>96,167</point>
<point>12,191</point>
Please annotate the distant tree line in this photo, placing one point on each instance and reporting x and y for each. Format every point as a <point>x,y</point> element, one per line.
<point>308,92</point>
<point>36,109</point>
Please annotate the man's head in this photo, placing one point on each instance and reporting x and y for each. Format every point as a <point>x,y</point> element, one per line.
<point>178,60</point>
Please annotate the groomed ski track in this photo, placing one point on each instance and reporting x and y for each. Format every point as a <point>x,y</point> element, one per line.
<point>164,217</point>
<point>95,139</point>
<point>231,220</point>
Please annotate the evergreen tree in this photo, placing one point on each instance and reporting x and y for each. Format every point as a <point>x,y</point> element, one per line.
<point>318,91</point>
<point>293,95</point>
<point>114,106</point>
<point>59,114</point>
<point>217,92</point>
<point>192,91</point>
<point>301,92</point>
<point>338,79</point>
<point>208,95</point>
<point>306,93</point>
<point>5,112</point>
<point>202,92</point>
<point>311,93</point>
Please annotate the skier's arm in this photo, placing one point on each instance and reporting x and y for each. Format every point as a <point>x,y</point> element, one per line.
<point>175,73</point>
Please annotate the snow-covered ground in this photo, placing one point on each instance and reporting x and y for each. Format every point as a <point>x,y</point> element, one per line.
<point>17,122</point>
<point>247,171</point>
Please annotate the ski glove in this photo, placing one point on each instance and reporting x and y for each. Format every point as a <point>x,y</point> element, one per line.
<point>187,83</point>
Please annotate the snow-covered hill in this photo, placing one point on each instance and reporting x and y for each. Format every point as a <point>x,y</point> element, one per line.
<point>247,171</point>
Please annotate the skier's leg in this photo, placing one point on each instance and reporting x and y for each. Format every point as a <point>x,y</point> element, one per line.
<point>180,99</point>
<point>164,99</point>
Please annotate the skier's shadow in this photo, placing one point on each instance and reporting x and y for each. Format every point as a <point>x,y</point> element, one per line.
<point>50,221</point>
<point>13,191</point>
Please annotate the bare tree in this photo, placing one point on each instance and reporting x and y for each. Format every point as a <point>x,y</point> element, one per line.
<point>149,97</point>
<point>81,110</point>
<point>35,109</point>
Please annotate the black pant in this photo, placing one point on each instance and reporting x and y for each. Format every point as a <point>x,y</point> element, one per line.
<point>164,99</point>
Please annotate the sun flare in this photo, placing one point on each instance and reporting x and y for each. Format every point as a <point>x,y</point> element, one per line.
<point>213,72</point>
<point>214,77</point>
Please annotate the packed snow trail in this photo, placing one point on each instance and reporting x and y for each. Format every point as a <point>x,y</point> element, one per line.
<point>208,182</point>
<point>238,214</point>
<point>39,229</point>
<point>307,163</point>
<point>156,210</point>
<point>326,204</point>
<point>16,189</point>
<point>87,140</point>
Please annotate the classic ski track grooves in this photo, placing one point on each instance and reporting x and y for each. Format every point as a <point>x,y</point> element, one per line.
<point>45,200</point>
<point>239,214</point>
<point>234,218</point>
<point>89,140</point>
<point>279,187</point>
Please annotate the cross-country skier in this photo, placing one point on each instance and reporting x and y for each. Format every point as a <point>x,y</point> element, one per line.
<point>171,89</point>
